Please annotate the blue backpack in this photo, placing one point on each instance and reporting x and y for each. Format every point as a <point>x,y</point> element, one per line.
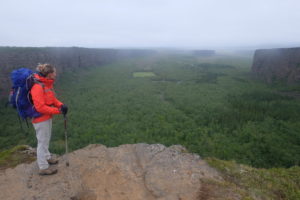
<point>20,97</point>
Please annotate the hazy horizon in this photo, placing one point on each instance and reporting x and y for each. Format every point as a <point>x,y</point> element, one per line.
<point>202,24</point>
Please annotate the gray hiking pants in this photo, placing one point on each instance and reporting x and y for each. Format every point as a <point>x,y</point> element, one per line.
<point>43,135</point>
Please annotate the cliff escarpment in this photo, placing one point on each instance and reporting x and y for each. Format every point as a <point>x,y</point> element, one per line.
<point>141,171</point>
<point>64,58</point>
<point>273,65</point>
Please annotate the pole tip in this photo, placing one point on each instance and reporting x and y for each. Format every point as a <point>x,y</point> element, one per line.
<point>67,164</point>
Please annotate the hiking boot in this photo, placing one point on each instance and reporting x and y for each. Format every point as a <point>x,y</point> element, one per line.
<point>48,171</point>
<point>52,161</point>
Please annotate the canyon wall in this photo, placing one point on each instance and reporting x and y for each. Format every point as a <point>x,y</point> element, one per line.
<point>272,65</point>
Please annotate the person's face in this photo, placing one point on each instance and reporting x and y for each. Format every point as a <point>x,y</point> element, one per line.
<point>52,75</point>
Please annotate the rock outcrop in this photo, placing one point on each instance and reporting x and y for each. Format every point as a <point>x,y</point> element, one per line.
<point>277,65</point>
<point>135,172</point>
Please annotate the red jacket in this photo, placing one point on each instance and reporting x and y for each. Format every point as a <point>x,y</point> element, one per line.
<point>44,99</point>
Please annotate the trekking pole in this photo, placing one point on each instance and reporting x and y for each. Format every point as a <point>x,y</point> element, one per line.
<point>21,126</point>
<point>66,140</point>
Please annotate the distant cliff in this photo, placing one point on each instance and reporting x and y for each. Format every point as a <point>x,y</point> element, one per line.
<point>277,65</point>
<point>64,58</point>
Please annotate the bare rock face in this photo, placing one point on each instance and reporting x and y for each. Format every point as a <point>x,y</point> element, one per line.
<point>135,172</point>
<point>277,64</point>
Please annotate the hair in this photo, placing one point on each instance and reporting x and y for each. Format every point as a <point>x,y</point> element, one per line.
<point>45,69</point>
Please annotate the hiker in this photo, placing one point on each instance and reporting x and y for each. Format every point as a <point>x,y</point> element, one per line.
<point>45,102</point>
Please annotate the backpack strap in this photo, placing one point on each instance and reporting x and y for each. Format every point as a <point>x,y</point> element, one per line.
<point>34,80</point>
<point>41,84</point>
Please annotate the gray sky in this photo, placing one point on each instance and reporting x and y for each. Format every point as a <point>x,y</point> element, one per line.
<point>150,23</point>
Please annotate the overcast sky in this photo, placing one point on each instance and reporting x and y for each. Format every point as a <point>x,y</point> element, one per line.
<point>150,23</point>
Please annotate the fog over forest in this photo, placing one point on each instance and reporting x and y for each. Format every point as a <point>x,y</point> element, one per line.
<point>142,24</point>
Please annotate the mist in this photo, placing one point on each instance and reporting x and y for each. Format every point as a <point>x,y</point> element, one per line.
<point>151,24</point>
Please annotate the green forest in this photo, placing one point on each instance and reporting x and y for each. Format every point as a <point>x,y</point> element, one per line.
<point>212,106</point>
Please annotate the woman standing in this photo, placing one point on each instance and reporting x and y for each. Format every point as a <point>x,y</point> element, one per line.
<point>46,103</point>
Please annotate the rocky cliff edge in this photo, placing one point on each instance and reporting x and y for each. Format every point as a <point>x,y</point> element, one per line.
<point>137,171</point>
<point>141,172</point>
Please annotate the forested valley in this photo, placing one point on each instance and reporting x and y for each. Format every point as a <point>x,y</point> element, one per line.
<point>212,106</point>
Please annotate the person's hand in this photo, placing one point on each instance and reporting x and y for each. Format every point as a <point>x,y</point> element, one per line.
<point>64,109</point>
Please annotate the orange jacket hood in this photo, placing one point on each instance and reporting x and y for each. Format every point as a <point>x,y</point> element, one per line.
<point>44,99</point>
